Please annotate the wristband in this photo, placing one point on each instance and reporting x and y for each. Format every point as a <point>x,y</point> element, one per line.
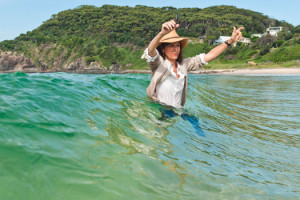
<point>226,42</point>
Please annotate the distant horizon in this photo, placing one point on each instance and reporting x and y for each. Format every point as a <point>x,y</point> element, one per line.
<point>20,17</point>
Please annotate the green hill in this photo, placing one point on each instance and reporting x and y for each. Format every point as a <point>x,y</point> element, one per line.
<point>102,36</point>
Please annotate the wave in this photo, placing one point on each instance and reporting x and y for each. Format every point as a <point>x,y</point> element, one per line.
<point>102,135</point>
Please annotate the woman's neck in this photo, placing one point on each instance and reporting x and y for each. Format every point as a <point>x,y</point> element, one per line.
<point>173,63</point>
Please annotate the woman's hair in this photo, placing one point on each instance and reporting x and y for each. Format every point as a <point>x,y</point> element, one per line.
<point>163,45</point>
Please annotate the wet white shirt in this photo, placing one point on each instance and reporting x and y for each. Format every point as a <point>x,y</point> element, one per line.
<point>169,91</point>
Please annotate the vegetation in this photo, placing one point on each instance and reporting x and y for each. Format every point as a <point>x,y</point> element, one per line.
<point>116,34</point>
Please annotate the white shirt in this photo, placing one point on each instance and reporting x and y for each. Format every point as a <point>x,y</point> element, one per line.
<point>169,91</point>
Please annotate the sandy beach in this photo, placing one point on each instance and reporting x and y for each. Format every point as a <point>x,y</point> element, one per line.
<point>275,71</point>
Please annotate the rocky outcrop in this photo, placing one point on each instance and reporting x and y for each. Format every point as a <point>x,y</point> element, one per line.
<point>13,62</point>
<point>115,67</point>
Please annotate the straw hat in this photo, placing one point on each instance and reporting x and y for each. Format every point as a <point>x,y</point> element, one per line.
<point>173,37</point>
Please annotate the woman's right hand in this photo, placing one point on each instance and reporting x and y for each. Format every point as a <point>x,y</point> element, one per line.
<point>166,28</point>
<point>169,26</point>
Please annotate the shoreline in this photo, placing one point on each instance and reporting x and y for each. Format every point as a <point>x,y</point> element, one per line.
<point>245,71</point>
<point>252,71</point>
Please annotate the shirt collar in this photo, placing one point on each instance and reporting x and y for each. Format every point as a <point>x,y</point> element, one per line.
<point>170,67</point>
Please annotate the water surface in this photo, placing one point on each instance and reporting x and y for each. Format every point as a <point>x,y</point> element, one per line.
<point>72,136</point>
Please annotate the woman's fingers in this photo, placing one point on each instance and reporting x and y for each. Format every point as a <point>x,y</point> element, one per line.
<point>237,34</point>
<point>169,26</point>
<point>240,33</point>
<point>241,28</point>
<point>233,32</point>
<point>172,24</point>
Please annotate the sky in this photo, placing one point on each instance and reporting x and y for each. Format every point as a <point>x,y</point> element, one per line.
<point>20,16</point>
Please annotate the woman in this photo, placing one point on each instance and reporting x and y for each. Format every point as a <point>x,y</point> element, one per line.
<point>168,68</point>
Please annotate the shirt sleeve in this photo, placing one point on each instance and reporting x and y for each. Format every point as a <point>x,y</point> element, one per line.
<point>202,59</point>
<point>148,57</point>
<point>194,63</point>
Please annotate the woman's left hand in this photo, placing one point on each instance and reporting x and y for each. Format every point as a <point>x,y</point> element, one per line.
<point>236,35</point>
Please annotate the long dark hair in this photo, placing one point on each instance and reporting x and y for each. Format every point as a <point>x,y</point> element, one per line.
<point>163,45</point>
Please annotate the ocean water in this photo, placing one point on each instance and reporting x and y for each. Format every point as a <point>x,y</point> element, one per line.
<point>74,136</point>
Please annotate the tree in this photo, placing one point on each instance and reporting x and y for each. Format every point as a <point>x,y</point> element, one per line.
<point>266,40</point>
<point>245,34</point>
<point>297,29</point>
<point>212,34</point>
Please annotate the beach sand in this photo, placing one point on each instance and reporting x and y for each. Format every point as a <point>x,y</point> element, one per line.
<point>275,71</point>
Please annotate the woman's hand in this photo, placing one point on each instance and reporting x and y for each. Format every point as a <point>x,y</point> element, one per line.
<point>166,28</point>
<point>236,35</point>
<point>169,26</point>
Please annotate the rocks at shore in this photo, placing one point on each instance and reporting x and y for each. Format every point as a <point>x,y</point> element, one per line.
<point>13,62</point>
<point>10,62</point>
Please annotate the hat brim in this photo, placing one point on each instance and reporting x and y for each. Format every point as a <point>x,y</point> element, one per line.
<point>183,41</point>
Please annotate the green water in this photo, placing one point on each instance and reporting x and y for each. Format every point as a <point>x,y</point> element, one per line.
<point>71,136</point>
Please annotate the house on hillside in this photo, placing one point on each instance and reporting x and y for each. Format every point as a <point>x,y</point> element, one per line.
<point>274,30</point>
<point>259,35</point>
<point>245,40</point>
<point>271,30</point>
<point>222,39</point>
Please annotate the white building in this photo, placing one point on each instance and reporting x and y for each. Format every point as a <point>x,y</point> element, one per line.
<point>274,30</point>
<point>257,35</point>
<point>245,40</point>
<point>222,39</point>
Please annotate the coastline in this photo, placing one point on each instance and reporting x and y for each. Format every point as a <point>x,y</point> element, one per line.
<point>252,71</point>
<point>245,71</point>
<point>11,62</point>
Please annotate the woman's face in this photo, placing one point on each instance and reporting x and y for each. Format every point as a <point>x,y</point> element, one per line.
<point>172,51</point>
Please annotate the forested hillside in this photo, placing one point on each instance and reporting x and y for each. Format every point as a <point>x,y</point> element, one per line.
<point>114,34</point>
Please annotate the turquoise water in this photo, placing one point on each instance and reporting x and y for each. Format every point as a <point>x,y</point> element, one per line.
<point>72,136</point>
